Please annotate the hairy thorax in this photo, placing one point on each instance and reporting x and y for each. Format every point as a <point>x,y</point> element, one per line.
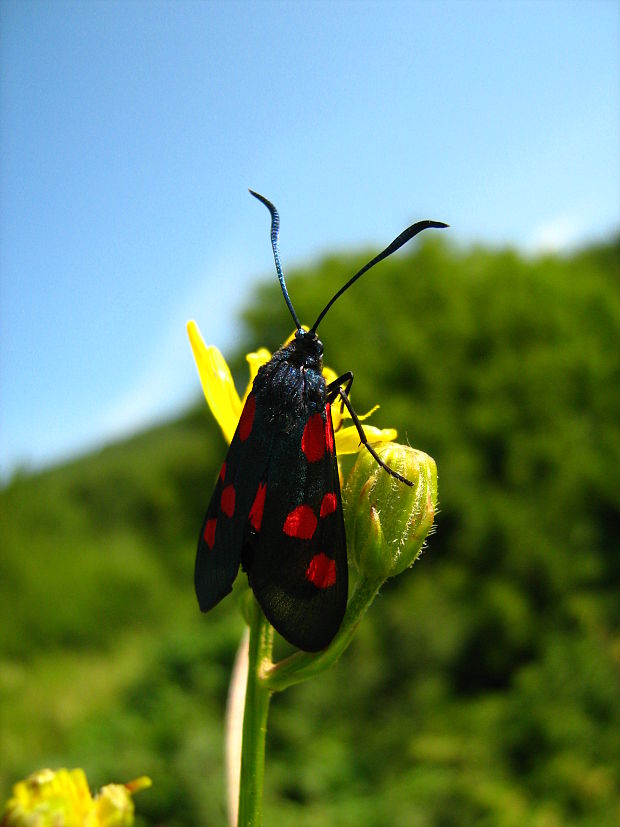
<point>291,384</point>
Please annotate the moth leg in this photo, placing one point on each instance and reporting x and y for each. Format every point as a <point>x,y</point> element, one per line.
<point>363,439</point>
<point>332,389</point>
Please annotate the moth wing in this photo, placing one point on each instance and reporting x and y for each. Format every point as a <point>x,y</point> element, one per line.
<point>295,556</point>
<point>221,535</point>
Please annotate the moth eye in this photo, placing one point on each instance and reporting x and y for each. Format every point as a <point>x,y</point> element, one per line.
<point>319,347</point>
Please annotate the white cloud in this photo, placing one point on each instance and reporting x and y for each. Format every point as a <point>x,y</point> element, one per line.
<point>559,234</point>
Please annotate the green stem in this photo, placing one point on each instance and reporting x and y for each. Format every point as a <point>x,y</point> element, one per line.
<point>255,722</point>
<point>265,677</point>
<point>304,665</point>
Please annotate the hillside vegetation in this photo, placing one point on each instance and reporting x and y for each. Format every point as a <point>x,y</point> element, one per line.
<point>483,688</point>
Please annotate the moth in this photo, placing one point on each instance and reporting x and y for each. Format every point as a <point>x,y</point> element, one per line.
<point>276,510</point>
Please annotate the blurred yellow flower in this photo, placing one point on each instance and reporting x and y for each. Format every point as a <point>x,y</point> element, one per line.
<point>62,798</point>
<point>226,406</point>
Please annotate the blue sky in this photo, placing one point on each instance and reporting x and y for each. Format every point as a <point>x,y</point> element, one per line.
<point>131,131</point>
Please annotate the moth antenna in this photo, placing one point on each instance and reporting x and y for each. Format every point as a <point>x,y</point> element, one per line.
<point>398,242</point>
<point>275,227</point>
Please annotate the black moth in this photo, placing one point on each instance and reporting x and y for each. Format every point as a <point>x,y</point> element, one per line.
<point>276,508</point>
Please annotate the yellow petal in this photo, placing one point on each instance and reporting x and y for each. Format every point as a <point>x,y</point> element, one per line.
<point>50,797</point>
<point>340,413</point>
<point>217,383</point>
<point>347,415</point>
<point>255,361</point>
<point>348,439</point>
<point>367,414</point>
<point>113,807</point>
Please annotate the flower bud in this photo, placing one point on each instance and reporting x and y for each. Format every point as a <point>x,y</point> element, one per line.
<point>386,520</point>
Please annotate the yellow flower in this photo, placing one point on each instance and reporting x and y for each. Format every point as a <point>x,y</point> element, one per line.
<point>226,406</point>
<point>62,798</point>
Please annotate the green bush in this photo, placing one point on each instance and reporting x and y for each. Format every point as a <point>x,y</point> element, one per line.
<point>484,686</point>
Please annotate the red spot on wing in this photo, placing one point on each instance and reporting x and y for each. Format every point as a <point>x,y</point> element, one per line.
<point>247,418</point>
<point>300,523</point>
<point>322,571</point>
<point>329,505</point>
<point>313,439</point>
<point>223,472</point>
<point>329,430</point>
<point>227,503</point>
<point>209,532</point>
<point>256,512</point>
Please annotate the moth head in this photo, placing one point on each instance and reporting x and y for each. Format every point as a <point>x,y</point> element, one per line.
<point>308,349</point>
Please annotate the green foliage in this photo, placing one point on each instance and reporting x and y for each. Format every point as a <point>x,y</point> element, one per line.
<point>484,686</point>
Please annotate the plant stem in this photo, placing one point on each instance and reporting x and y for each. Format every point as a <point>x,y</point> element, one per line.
<point>304,665</point>
<point>265,677</point>
<point>234,727</point>
<point>255,722</point>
